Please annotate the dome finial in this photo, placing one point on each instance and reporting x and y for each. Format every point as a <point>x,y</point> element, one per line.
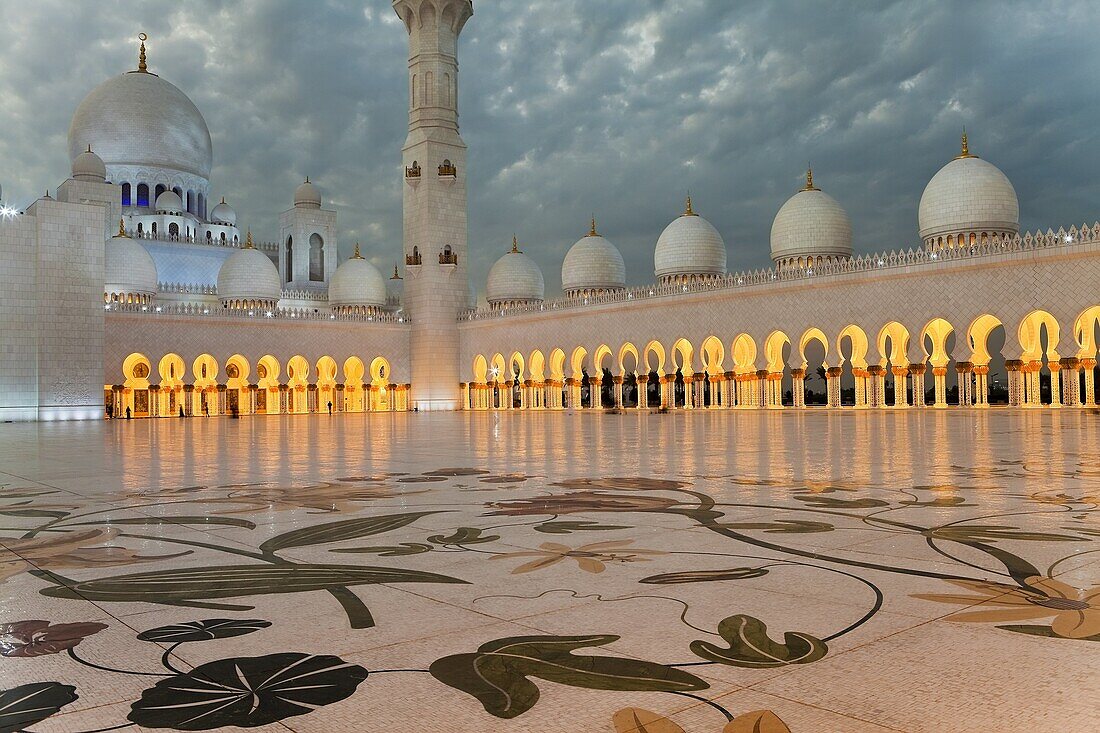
<point>89,147</point>
<point>122,229</point>
<point>965,148</point>
<point>592,231</point>
<point>248,240</point>
<point>223,199</point>
<point>395,275</point>
<point>688,211</point>
<point>141,54</point>
<point>809,179</point>
<point>515,244</point>
<point>307,179</point>
<point>357,256</point>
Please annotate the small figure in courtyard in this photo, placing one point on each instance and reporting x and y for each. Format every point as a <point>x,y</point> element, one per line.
<point>330,407</point>
<point>110,411</point>
<point>127,413</point>
<point>181,411</point>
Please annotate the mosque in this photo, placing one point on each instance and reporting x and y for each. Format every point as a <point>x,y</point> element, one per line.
<point>135,289</point>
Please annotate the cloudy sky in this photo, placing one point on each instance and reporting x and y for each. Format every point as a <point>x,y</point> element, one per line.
<point>569,107</point>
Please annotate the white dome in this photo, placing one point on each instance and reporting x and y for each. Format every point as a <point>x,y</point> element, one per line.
<point>128,268</point>
<point>812,224</point>
<point>223,213</point>
<point>248,275</point>
<point>689,246</point>
<point>307,196</point>
<point>89,167</point>
<point>139,119</point>
<point>169,202</point>
<point>968,195</point>
<point>356,284</point>
<point>593,263</point>
<point>515,278</point>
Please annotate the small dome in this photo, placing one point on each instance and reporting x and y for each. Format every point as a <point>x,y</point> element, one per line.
<point>168,202</point>
<point>593,264</point>
<point>356,286</point>
<point>689,246</point>
<point>223,213</point>
<point>248,279</point>
<point>968,196</point>
<point>307,196</point>
<point>89,167</point>
<point>811,224</point>
<point>130,274</point>
<point>514,279</point>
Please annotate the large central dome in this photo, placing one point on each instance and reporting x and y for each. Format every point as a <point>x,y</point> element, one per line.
<point>139,119</point>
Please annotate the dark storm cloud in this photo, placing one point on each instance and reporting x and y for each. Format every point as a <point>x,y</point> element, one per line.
<point>573,107</point>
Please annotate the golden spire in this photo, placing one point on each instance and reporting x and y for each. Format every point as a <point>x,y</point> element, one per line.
<point>809,180</point>
<point>223,199</point>
<point>307,179</point>
<point>515,245</point>
<point>142,67</point>
<point>965,148</point>
<point>122,229</point>
<point>395,275</point>
<point>592,232</point>
<point>688,211</point>
<point>89,147</point>
<point>357,256</point>
<point>248,242</point>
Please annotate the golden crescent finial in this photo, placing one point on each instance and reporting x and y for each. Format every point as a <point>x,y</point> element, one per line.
<point>688,211</point>
<point>248,242</point>
<point>515,244</point>
<point>965,148</point>
<point>357,256</point>
<point>122,229</point>
<point>809,180</point>
<point>592,232</point>
<point>142,66</point>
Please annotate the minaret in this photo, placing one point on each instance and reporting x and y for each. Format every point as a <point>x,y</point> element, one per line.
<point>436,289</point>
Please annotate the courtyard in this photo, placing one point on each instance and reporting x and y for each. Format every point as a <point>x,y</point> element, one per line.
<point>559,572</point>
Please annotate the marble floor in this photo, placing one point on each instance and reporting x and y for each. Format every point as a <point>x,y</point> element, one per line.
<point>708,572</point>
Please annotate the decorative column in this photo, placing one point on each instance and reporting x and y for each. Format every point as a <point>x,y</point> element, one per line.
<point>618,382</point>
<point>1016,378</point>
<point>1055,384</point>
<point>1033,396</point>
<point>154,400</point>
<point>594,392</point>
<point>393,396</point>
<point>188,400</point>
<point>643,391</point>
<point>1071,381</point>
<point>666,392</point>
<point>689,391</point>
<point>1088,365</point>
<point>798,387</point>
<point>876,382</point>
<point>717,392</point>
<point>832,385</point>
<point>918,371</point>
<point>901,386</point>
<point>965,373</point>
<point>729,390</point>
<point>939,374</point>
<point>981,386</point>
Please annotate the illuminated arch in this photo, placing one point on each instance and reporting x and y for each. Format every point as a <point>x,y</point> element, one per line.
<point>204,371</point>
<point>743,351</point>
<point>978,337</point>
<point>810,335</point>
<point>858,340</point>
<point>577,361</point>
<point>136,370</point>
<point>898,337</point>
<point>238,365</point>
<point>380,371</point>
<point>498,370</point>
<point>937,330</point>
<point>354,370</point>
<point>1030,336</point>
<point>682,348</point>
<point>536,365</point>
<point>773,351</point>
<point>1084,331</point>
<point>713,355</point>
<point>657,364</point>
<point>603,352</point>
<point>628,349</point>
<point>557,365</point>
<point>516,360</point>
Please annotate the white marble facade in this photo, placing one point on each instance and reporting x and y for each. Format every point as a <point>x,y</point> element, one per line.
<point>83,328</point>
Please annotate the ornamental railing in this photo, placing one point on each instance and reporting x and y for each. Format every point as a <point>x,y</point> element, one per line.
<point>213,242</point>
<point>1067,239</point>
<point>201,310</point>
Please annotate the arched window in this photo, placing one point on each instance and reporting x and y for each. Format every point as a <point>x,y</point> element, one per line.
<point>143,194</point>
<point>223,237</point>
<point>447,90</point>
<point>161,188</point>
<point>316,258</point>
<point>191,202</point>
<point>154,229</point>
<point>208,237</point>
<point>141,229</point>
<point>412,97</point>
<point>201,210</point>
<point>178,191</point>
<point>289,259</point>
<point>173,230</point>
<point>126,194</point>
<point>429,80</point>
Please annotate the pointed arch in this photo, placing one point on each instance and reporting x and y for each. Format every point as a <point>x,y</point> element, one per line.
<point>603,352</point>
<point>517,366</point>
<point>1084,332</point>
<point>656,364</point>
<point>498,370</point>
<point>1030,336</point>
<point>683,349</point>
<point>536,366</point>
<point>743,351</point>
<point>628,349</point>
<point>578,361</point>
<point>937,330</point>
<point>809,336</point>
<point>557,365</point>
<point>977,335</point>
<point>773,351</point>
<point>857,339</point>
<point>897,336</point>
<point>712,354</point>
<point>480,369</point>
